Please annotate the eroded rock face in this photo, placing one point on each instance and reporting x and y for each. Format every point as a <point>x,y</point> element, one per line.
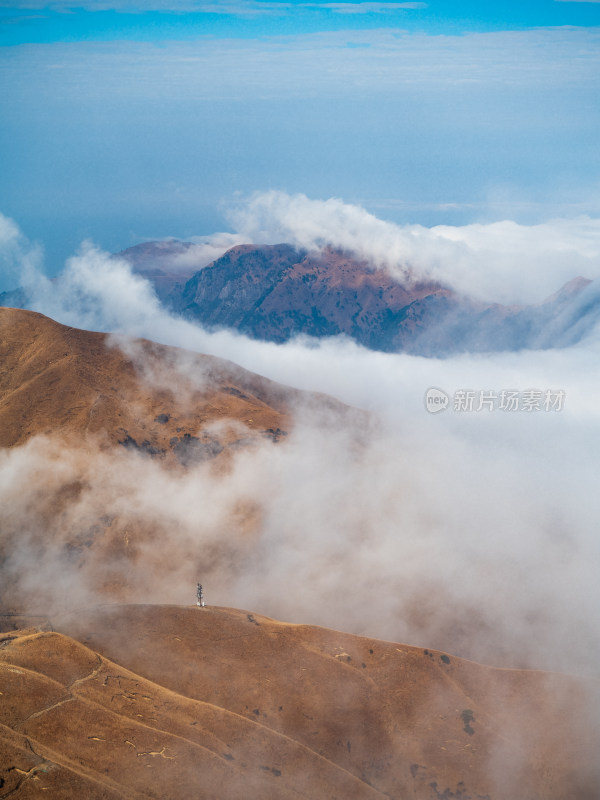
<point>276,292</point>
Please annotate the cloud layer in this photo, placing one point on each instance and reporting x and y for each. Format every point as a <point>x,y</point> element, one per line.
<point>497,262</point>
<point>472,532</point>
<point>502,261</point>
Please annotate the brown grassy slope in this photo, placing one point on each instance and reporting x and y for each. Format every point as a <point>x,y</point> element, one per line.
<point>74,725</point>
<point>59,379</point>
<point>403,721</point>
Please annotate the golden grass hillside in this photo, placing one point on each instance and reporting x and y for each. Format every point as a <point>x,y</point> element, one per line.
<point>177,702</point>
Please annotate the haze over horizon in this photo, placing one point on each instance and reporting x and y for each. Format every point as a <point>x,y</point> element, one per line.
<point>127,121</point>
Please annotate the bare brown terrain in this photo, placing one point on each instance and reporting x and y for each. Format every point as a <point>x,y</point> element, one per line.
<point>180,702</point>
<point>60,380</point>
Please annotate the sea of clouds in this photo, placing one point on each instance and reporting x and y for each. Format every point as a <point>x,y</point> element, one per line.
<point>471,531</point>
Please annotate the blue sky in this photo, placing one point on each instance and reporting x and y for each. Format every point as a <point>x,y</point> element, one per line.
<point>152,20</point>
<point>129,120</point>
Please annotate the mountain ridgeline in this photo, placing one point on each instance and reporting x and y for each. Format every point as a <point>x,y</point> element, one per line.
<point>276,292</point>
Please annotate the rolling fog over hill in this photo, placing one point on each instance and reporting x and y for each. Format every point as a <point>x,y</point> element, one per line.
<point>132,469</point>
<point>336,270</point>
<point>465,530</point>
<point>277,292</point>
<point>412,540</point>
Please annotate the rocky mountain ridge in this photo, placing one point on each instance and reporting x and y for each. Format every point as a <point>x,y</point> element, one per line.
<point>277,292</point>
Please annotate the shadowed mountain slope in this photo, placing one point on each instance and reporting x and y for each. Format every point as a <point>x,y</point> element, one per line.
<point>167,264</point>
<point>276,292</point>
<point>172,702</point>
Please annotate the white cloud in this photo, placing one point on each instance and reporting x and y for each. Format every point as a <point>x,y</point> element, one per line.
<point>19,258</point>
<point>497,262</point>
<point>94,292</point>
<point>239,8</point>
<point>395,65</point>
<point>181,259</point>
<point>224,7</point>
<point>366,8</point>
<point>9,231</point>
<point>431,522</point>
<point>206,249</point>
